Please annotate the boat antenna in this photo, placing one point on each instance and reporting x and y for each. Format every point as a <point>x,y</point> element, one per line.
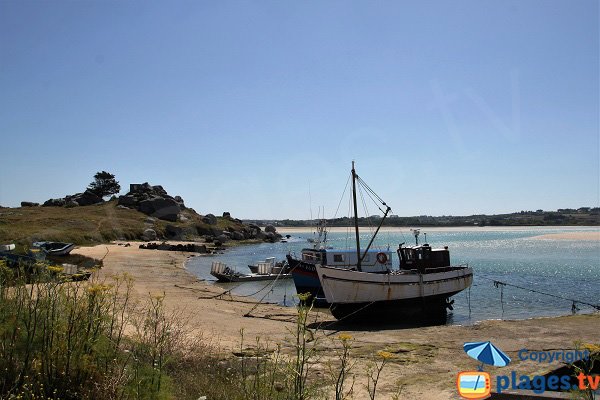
<point>358,258</point>
<point>416,232</point>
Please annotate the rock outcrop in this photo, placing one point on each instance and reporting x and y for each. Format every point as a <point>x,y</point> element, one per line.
<point>86,198</point>
<point>153,201</point>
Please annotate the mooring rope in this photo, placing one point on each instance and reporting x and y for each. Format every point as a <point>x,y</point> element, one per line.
<point>271,283</point>
<point>574,302</point>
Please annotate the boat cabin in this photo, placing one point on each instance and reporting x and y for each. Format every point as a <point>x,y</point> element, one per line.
<point>423,257</point>
<point>374,260</point>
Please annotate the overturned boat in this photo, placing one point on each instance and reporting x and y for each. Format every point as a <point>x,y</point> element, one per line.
<point>55,248</point>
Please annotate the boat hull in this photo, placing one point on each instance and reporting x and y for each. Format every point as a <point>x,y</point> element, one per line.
<point>55,248</point>
<point>306,280</point>
<point>248,278</point>
<point>358,295</point>
<point>432,309</point>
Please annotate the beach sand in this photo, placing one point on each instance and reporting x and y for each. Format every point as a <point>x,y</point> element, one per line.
<point>427,358</point>
<point>591,235</point>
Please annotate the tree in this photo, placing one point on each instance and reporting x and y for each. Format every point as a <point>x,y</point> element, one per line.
<point>104,184</point>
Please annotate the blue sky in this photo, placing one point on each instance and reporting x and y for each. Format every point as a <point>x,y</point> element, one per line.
<point>458,107</point>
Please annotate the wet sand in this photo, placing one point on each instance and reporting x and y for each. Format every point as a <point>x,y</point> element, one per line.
<point>426,361</point>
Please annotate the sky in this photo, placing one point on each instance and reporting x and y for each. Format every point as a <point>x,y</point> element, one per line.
<point>258,108</point>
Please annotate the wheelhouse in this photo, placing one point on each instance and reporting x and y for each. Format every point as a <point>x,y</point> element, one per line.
<point>423,257</point>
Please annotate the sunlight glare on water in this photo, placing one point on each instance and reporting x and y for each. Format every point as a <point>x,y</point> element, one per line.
<point>567,268</point>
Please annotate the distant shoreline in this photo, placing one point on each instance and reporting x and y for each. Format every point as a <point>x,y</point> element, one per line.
<point>580,232</point>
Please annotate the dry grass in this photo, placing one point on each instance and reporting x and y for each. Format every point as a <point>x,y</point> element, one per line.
<point>92,224</point>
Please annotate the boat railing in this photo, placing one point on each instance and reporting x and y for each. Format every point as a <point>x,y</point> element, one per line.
<point>436,269</point>
<point>218,267</point>
<point>446,269</point>
<point>264,268</point>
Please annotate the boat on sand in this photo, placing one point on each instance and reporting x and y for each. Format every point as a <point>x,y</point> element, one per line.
<point>420,288</point>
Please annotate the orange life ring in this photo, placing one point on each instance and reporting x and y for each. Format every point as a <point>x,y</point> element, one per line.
<point>382,258</point>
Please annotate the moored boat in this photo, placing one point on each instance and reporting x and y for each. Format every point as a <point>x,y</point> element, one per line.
<point>420,288</point>
<point>223,273</point>
<point>274,266</point>
<point>305,275</point>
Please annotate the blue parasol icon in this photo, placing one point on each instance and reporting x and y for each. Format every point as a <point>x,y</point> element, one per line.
<point>486,353</point>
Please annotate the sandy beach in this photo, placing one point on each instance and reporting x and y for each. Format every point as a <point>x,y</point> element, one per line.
<point>426,361</point>
<point>571,236</point>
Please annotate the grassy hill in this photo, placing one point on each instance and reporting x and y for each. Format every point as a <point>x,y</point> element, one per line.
<point>94,224</point>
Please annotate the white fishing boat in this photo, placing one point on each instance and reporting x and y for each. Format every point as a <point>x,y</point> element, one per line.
<point>420,287</point>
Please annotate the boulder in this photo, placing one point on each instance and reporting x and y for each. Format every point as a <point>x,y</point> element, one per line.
<point>162,208</point>
<point>154,201</point>
<point>237,235</point>
<point>173,232</point>
<point>270,228</point>
<point>226,214</point>
<point>149,234</point>
<point>222,238</point>
<point>127,201</point>
<point>209,219</point>
<point>29,204</point>
<point>179,201</point>
<point>200,248</point>
<point>270,237</point>
<point>86,198</point>
<point>158,189</point>
<point>54,203</point>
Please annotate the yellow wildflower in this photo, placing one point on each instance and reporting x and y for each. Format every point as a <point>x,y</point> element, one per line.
<point>592,347</point>
<point>345,337</point>
<point>303,296</point>
<point>386,355</point>
<point>98,288</point>
<point>55,269</point>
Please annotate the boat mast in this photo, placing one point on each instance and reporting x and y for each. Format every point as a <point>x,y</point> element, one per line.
<point>358,258</point>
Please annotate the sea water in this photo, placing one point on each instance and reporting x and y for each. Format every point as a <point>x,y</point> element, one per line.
<point>565,268</point>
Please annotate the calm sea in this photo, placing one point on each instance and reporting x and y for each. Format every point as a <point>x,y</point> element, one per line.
<point>567,268</point>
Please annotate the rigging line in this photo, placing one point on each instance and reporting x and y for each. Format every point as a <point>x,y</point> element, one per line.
<point>265,295</point>
<point>342,198</point>
<point>374,201</point>
<point>343,318</point>
<point>364,204</point>
<point>497,283</point>
<point>371,190</point>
